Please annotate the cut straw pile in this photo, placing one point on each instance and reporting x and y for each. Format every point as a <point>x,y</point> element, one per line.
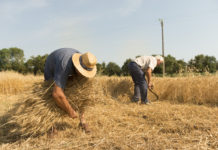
<point>38,113</point>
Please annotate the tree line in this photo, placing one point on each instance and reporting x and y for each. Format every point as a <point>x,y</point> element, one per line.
<point>13,59</point>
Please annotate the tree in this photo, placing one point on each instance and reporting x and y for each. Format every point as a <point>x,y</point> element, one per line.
<point>17,59</point>
<point>100,68</point>
<point>5,59</point>
<point>12,59</point>
<point>112,69</point>
<point>29,66</point>
<point>210,63</point>
<point>124,68</point>
<point>158,69</point>
<point>171,65</point>
<point>217,65</point>
<point>197,62</point>
<point>203,63</point>
<point>182,65</point>
<point>36,64</point>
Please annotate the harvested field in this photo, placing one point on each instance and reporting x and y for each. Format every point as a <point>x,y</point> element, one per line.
<point>185,117</point>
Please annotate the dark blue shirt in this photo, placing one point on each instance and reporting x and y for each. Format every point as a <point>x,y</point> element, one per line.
<point>59,66</point>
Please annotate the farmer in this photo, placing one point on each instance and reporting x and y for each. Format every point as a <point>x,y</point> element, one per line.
<point>139,68</point>
<point>63,63</point>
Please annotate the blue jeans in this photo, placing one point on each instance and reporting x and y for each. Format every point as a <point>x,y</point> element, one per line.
<point>140,84</point>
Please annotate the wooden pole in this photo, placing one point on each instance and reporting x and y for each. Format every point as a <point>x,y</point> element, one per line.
<point>162,29</point>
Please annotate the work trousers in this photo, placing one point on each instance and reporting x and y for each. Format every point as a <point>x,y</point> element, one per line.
<point>140,84</point>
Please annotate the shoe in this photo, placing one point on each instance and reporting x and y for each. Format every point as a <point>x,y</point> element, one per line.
<point>134,101</point>
<point>145,102</point>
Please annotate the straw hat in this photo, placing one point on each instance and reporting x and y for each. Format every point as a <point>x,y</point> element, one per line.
<point>85,64</point>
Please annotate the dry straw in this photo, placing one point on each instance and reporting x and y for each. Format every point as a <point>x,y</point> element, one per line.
<point>14,83</point>
<point>38,113</point>
<point>197,90</point>
<point>192,89</point>
<point>116,123</point>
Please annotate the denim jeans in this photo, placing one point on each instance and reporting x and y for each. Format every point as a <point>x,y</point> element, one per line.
<point>140,84</point>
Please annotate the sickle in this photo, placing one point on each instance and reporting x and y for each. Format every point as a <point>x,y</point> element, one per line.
<point>157,97</point>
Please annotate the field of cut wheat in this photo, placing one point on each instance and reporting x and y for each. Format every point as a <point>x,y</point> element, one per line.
<point>184,117</point>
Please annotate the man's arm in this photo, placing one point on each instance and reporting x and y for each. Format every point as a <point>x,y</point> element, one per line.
<point>62,101</point>
<point>149,74</point>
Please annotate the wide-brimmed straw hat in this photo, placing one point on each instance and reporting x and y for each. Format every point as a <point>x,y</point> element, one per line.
<point>85,64</point>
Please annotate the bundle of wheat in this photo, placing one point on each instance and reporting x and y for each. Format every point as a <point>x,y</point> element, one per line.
<point>38,113</point>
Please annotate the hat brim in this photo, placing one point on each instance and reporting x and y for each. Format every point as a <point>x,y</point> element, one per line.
<point>82,71</point>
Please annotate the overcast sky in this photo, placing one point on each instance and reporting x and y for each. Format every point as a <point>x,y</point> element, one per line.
<point>113,30</point>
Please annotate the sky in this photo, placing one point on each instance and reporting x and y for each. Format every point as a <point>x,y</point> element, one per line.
<point>113,30</point>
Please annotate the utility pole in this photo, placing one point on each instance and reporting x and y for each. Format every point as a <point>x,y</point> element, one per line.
<point>162,29</point>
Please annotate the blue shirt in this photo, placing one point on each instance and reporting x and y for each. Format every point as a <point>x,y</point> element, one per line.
<point>59,66</point>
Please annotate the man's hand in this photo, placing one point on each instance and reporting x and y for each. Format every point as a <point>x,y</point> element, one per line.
<point>73,115</point>
<point>148,74</point>
<point>150,85</point>
<point>62,101</point>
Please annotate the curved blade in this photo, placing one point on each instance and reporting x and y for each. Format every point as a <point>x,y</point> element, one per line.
<point>157,97</point>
